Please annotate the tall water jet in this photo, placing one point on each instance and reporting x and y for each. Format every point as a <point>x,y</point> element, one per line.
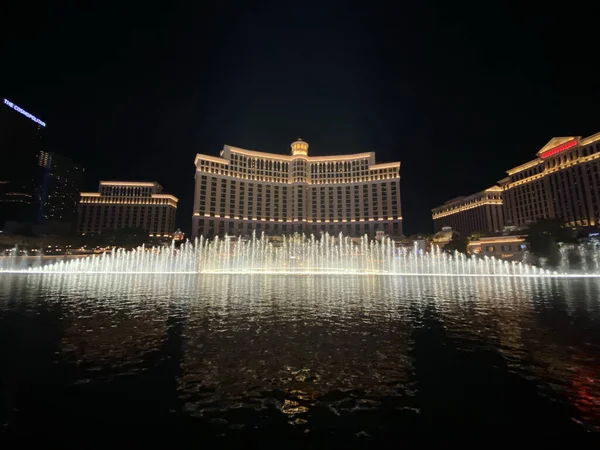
<point>290,255</point>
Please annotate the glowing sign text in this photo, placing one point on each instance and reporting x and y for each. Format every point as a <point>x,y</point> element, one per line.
<point>25,113</point>
<point>558,149</point>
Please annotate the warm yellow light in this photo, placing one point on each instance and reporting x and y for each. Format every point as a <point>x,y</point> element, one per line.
<point>167,196</point>
<point>590,139</point>
<point>289,158</point>
<point>128,183</point>
<point>200,156</point>
<point>391,165</point>
<point>497,240</point>
<point>465,208</point>
<point>525,166</point>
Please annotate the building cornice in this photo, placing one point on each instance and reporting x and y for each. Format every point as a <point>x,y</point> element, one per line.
<point>527,165</point>
<point>390,165</point>
<point>129,183</point>
<point>590,139</point>
<point>167,196</point>
<point>483,202</point>
<point>210,158</point>
<point>470,201</point>
<point>276,156</point>
<point>557,144</point>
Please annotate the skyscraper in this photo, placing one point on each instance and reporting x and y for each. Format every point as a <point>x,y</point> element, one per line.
<point>21,140</point>
<point>57,192</point>
<point>36,186</point>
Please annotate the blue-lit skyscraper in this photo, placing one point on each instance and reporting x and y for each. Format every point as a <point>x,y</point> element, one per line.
<point>21,140</point>
<point>36,186</point>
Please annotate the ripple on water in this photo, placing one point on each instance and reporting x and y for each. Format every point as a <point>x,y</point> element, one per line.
<point>249,352</point>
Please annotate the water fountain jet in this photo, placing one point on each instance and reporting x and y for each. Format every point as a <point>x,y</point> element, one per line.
<point>296,255</point>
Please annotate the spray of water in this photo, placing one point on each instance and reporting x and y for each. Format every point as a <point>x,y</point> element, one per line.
<point>295,255</point>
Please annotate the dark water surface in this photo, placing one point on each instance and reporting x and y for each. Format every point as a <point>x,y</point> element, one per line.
<point>342,360</point>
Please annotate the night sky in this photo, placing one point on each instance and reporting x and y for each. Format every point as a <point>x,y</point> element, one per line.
<point>458,93</point>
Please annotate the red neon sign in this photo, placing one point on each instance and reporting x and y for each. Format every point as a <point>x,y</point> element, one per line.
<point>558,149</point>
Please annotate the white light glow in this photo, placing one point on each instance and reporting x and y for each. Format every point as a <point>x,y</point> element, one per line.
<point>330,255</point>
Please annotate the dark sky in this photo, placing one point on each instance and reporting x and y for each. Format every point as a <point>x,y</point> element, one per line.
<point>457,92</point>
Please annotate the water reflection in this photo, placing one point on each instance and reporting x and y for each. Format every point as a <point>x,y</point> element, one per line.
<point>295,344</point>
<point>309,350</point>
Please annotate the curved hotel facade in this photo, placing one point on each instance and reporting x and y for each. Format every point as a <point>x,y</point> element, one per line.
<point>244,191</point>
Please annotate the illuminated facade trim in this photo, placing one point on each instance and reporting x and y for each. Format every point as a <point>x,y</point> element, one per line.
<point>502,247</point>
<point>129,183</point>
<point>589,140</point>
<point>525,166</point>
<point>558,149</point>
<point>295,193</point>
<point>461,208</point>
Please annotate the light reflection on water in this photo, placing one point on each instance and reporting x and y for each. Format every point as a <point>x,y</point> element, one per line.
<point>313,349</point>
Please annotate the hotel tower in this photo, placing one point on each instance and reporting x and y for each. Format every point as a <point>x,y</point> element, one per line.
<point>128,204</point>
<point>562,182</point>
<point>242,191</point>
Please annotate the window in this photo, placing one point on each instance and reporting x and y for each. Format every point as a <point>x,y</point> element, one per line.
<point>506,248</point>
<point>490,249</point>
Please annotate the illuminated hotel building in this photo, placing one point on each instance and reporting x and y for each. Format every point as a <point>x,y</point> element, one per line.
<point>36,185</point>
<point>478,212</point>
<point>21,140</point>
<point>244,191</point>
<point>563,182</point>
<point>127,204</point>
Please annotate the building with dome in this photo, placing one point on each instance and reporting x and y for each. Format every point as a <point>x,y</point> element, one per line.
<point>243,191</point>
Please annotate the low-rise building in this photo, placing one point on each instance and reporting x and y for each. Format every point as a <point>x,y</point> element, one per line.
<point>511,248</point>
